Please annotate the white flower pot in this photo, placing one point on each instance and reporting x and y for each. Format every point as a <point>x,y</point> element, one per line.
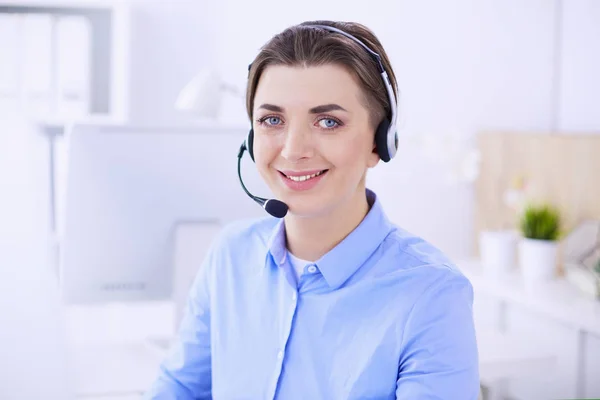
<point>537,259</point>
<point>497,250</point>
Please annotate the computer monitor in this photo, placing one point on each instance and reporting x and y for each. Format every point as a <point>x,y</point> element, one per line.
<point>127,190</point>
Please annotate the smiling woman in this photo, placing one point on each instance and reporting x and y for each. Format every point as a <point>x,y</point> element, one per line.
<point>333,301</point>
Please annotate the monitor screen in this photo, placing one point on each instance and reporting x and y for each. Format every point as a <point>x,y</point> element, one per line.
<point>127,190</point>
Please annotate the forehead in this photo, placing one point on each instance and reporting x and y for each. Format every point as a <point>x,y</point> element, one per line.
<point>300,86</point>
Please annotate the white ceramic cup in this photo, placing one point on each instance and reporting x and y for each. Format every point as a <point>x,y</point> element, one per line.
<point>498,251</point>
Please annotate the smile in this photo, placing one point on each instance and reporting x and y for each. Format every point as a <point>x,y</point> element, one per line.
<point>302,178</point>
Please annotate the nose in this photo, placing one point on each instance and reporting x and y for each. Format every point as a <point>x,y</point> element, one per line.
<point>297,144</point>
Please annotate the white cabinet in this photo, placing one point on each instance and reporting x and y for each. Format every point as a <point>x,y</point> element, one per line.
<point>560,381</point>
<point>552,317</point>
<point>592,366</point>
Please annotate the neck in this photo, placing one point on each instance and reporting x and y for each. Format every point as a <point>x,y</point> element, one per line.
<point>309,238</point>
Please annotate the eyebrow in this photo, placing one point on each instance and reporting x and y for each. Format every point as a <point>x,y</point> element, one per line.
<point>326,108</point>
<point>271,107</point>
<point>315,110</point>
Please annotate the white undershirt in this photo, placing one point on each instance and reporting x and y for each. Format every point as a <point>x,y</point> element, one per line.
<point>298,264</point>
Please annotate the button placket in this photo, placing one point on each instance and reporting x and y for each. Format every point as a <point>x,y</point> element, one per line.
<point>281,351</point>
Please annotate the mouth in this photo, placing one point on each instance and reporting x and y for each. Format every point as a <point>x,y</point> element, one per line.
<point>302,178</point>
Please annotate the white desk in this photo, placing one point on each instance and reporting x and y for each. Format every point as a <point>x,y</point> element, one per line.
<point>556,299</point>
<point>117,348</point>
<point>567,318</point>
<point>111,357</point>
<point>113,370</point>
<point>503,356</point>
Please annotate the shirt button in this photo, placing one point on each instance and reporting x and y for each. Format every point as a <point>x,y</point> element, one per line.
<point>294,296</point>
<point>280,355</point>
<point>312,269</point>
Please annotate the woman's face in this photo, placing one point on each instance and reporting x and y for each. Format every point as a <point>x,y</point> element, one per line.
<point>313,137</point>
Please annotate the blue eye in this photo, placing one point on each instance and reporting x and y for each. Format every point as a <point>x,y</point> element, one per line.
<point>273,120</point>
<point>328,123</point>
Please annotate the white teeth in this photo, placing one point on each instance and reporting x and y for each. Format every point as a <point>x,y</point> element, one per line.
<point>304,177</point>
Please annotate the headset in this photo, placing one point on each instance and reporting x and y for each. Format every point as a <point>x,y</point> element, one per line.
<point>386,136</point>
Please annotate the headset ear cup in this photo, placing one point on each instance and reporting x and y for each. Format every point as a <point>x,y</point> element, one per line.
<point>250,143</point>
<point>381,140</point>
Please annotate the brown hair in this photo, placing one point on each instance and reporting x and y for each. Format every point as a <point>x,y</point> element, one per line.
<point>305,46</point>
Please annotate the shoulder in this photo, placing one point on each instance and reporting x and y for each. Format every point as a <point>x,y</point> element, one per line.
<point>237,245</point>
<point>426,267</point>
<point>413,250</point>
<point>434,290</point>
<point>242,237</point>
<point>241,231</point>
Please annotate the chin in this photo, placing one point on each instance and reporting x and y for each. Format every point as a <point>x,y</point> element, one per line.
<point>306,212</point>
<point>307,206</point>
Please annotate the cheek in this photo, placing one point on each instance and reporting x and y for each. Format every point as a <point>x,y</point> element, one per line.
<point>265,151</point>
<point>352,152</point>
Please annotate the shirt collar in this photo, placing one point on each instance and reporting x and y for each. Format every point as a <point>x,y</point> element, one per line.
<point>343,260</point>
<point>277,245</point>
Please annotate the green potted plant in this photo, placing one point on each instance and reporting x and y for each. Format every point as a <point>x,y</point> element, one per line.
<point>540,227</point>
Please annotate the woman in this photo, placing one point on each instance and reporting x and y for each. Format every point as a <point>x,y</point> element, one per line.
<point>332,301</point>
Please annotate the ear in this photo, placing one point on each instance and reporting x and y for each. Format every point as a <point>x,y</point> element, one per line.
<point>373,158</point>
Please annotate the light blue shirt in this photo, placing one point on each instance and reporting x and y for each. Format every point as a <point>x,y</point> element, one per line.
<point>383,315</point>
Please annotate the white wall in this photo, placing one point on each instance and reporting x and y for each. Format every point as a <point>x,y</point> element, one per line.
<point>169,43</point>
<point>579,106</point>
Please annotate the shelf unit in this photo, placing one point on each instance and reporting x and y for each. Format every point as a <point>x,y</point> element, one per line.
<point>107,95</point>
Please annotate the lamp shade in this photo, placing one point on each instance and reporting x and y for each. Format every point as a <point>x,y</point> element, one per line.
<point>202,95</point>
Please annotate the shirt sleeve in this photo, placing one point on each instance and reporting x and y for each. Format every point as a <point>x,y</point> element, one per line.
<point>439,359</point>
<point>186,371</point>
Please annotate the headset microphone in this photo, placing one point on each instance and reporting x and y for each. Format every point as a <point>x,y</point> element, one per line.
<point>276,208</point>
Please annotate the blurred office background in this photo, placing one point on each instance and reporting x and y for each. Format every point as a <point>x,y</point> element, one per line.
<point>120,123</point>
